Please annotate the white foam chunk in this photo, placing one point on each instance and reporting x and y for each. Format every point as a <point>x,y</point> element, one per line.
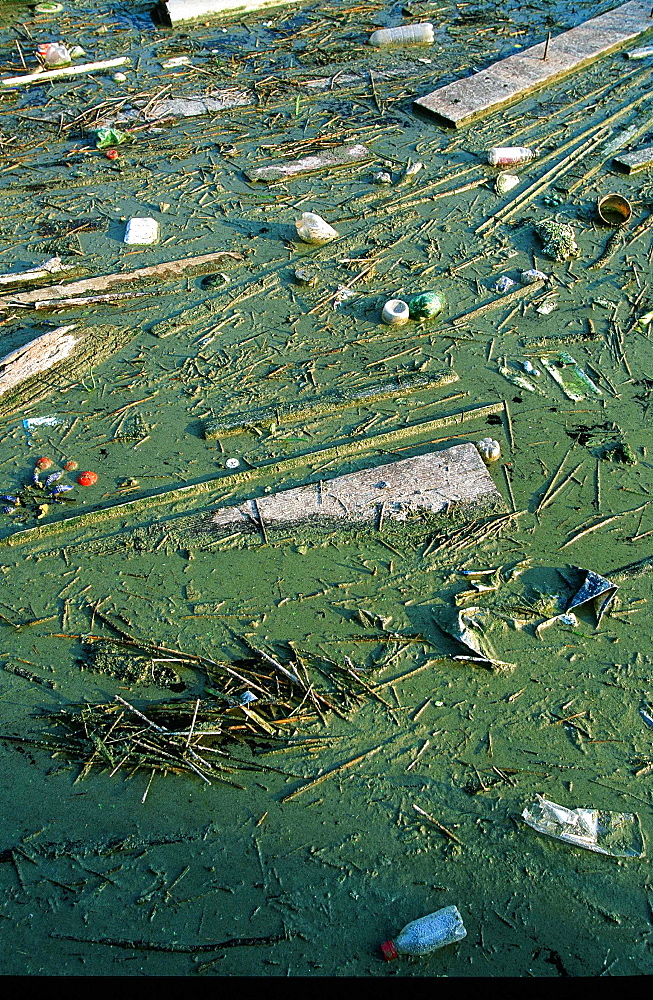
<point>142,231</point>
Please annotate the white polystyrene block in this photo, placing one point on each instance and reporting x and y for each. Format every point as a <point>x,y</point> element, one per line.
<point>142,231</point>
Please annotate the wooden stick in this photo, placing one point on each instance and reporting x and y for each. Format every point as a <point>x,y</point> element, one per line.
<point>54,74</point>
<point>443,829</point>
<point>332,772</point>
<point>601,524</point>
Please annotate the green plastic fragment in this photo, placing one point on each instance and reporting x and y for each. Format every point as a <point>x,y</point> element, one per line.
<point>571,378</point>
<point>107,137</point>
<point>427,305</point>
<point>48,8</point>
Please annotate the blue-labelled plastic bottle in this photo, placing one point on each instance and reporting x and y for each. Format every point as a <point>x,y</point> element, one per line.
<point>420,937</point>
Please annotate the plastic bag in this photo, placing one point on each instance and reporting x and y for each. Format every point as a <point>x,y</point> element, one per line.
<point>615,834</point>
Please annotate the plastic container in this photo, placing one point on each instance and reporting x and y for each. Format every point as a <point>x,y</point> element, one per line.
<point>407,34</point>
<point>395,312</point>
<point>508,156</point>
<point>421,937</point>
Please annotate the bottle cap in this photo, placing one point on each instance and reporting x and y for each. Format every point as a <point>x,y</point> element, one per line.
<point>389,951</point>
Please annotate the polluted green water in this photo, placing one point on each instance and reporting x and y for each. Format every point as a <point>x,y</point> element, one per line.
<point>113,869</point>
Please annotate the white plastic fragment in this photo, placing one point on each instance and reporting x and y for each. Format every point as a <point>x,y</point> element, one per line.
<point>505,182</point>
<point>533,275</point>
<point>175,61</point>
<point>232,463</point>
<point>312,228</point>
<point>141,231</point>
<point>406,34</point>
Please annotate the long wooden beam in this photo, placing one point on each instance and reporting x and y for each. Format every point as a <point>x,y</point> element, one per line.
<point>519,75</point>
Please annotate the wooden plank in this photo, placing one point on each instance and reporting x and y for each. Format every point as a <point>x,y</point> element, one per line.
<point>189,10</point>
<point>515,77</point>
<point>632,162</point>
<point>339,156</point>
<point>169,269</point>
<point>430,483</point>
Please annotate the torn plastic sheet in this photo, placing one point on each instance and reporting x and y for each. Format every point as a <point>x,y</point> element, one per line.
<point>615,834</point>
<point>597,591</point>
<point>468,628</point>
<point>571,378</point>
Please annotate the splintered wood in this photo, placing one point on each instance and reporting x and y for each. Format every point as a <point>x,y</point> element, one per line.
<point>510,79</point>
<point>429,483</point>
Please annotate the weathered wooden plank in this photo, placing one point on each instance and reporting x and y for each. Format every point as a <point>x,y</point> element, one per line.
<point>430,483</point>
<point>515,77</point>
<point>189,10</point>
<point>632,162</point>
<point>169,269</point>
<point>339,156</point>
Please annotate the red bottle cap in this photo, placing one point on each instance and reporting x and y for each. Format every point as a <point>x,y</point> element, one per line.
<point>44,463</point>
<point>389,951</point>
<point>87,478</point>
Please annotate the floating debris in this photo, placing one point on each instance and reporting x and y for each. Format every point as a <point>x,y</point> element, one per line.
<point>615,834</point>
<point>489,450</point>
<point>564,619</point>
<point>469,628</point>
<point>597,591</point>
<point>395,312</point>
<point>532,275</point>
<point>312,228</point>
<point>405,34</point>
<point>558,240</point>
<point>505,182</point>
<point>519,380</point>
<point>508,156</point>
<point>571,378</point>
<point>427,305</point>
<point>503,284</point>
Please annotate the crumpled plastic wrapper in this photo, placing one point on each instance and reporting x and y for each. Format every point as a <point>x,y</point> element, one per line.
<point>615,834</point>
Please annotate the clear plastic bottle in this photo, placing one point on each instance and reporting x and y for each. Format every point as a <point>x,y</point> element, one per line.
<point>421,937</point>
<point>405,34</point>
<point>507,156</point>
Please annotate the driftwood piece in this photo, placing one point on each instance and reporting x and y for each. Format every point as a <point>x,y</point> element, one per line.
<point>632,162</point>
<point>188,10</point>
<point>49,267</point>
<point>169,269</point>
<point>340,156</point>
<point>395,387</point>
<point>510,79</point>
<point>425,484</point>
<point>37,356</point>
<point>44,76</point>
<point>66,354</point>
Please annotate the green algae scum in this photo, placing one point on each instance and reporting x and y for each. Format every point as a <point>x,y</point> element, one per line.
<point>263,752</point>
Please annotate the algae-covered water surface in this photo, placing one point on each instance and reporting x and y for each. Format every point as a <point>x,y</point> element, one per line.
<point>229,856</point>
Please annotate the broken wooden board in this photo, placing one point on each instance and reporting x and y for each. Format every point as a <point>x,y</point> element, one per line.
<point>513,78</point>
<point>426,484</point>
<point>340,156</point>
<point>66,354</point>
<point>188,10</point>
<point>630,163</point>
<point>395,387</point>
<point>169,269</point>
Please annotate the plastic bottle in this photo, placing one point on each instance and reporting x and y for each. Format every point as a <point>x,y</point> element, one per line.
<point>54,54</point>
<point>506,156</point>
<point>407,34</point>
<point>421,937</point>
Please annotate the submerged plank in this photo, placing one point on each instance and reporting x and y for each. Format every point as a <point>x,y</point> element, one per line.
<point>339,156</point>
<point>510,79</point>
<point>188,10</point>
<point>425,484</point>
